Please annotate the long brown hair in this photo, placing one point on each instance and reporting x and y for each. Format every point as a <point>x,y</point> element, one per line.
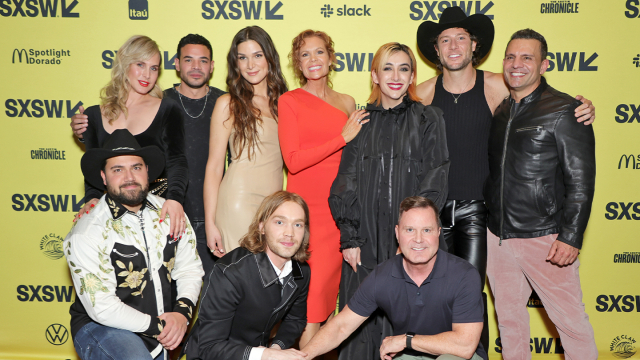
<point>255,242</point>
<point>114,94</point>
<point>380,59</point>
<point>246,117</point>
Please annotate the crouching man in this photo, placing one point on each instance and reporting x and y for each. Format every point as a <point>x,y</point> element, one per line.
<point>136,286</point>
<point>254,287</point>
<point>432,298</point>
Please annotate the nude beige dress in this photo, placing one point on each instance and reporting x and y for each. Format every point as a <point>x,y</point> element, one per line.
<point>246,183</point>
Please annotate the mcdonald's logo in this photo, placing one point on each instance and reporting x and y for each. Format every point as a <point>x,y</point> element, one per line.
<point>19,52</point>
<point>629,160</point>
<point>57,334</point>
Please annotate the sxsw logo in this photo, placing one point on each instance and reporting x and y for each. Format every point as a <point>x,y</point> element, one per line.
<point>431,10</point>
<point>353,61</point>
<point>108,57</point>
<point>618,303</point>
<point>33,8</point>
<point>633,9</point>
<point>622,211</point>
<point>138,9</point>
<point>629,160</point>
<point>627,113</point>
<point>235,10</point>
<point>538,346</point>
<point>39,108</point>
<point>327,10</point>
<point>43,202</point>
<point>567,61</point>
<point>46,293</point>
<point>39,57</point>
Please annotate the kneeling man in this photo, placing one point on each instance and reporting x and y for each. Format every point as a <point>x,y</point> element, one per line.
<point>254,287</point>
<point>432,298</point>
<point>136,286</point>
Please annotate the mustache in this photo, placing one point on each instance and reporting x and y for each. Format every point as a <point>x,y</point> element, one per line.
<point>196,72</point>
<point>129,184</point>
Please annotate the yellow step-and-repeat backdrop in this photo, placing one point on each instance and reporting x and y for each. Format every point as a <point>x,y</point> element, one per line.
<point>57,54</point>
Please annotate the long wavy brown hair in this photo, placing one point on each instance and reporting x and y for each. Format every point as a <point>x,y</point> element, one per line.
<point>246,117</point>
<point>256,242</point>
<point>114,95</point>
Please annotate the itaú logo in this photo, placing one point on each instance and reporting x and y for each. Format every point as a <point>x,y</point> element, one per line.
<point>57,334</point>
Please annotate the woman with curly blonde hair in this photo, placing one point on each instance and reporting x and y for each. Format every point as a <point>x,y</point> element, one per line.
<point>133,100</point>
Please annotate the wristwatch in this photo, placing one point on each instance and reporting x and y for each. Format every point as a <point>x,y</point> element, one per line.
<point>410,336</point>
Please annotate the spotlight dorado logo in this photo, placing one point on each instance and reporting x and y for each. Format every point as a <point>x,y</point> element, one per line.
<point>39,56</point>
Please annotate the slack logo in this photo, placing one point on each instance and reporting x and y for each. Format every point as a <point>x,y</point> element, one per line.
<point>327,10</point>
<point>138,9</point>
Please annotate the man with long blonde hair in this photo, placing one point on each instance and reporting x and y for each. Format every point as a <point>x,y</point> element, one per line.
<point>256,286</point>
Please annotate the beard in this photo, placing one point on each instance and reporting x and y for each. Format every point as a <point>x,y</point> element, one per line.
<point>195,85</point>
<point>129,197</point>
<point>458,67</point>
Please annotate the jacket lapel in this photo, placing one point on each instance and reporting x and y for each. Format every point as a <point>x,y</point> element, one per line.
<point>290,286</point>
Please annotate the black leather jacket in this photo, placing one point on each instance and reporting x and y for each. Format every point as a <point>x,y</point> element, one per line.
<point>241,301</point>
<point>542,168</point>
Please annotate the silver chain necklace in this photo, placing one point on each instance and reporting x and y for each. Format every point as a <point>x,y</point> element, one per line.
<point>455,99</point>
<point>185,109</point>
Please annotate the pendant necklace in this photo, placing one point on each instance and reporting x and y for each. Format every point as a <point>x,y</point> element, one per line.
<point>455,99</point>
<point>185,109</point>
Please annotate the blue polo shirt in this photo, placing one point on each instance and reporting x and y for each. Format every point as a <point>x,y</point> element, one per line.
<point>451,294</point>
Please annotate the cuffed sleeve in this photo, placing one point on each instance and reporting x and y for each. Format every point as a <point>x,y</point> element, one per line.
<point>296,158</point>
<point>576,151</point>
<point>343,199</point>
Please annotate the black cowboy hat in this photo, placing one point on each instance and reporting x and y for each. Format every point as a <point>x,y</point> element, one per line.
<point>119,143</point>
<point>454,17</point>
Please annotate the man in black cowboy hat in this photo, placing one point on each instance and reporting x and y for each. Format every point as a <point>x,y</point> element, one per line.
<point>136,286</point>
<point>468,97</point>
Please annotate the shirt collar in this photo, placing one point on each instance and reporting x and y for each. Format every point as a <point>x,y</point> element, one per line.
<point>439,268</point>
<point>535,94</point>
<point>118,210</point>
<point>286,270</point>
<point>268,273</point>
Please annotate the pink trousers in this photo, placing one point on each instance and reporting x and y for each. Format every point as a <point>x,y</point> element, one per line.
<point>513,269</point>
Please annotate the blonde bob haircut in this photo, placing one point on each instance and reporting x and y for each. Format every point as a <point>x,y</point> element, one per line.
<point>114,94</point>
<point>256,242</point>
<point>380,60</point>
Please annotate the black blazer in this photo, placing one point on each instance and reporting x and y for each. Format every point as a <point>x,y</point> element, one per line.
<point>241,302</point>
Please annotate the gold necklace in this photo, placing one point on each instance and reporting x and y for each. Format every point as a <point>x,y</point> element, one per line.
<point>455,99</point>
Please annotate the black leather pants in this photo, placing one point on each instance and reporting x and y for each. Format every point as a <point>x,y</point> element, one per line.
<point>464,226</point>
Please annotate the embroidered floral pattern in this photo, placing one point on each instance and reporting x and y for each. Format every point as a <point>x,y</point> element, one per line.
<point>91,284</point>
<point>182,304</point>
<point>170,264</point>
<point>133,279</point>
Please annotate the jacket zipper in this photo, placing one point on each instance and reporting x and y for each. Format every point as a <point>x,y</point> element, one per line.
<point>504,158</point>
<point>529,128</point>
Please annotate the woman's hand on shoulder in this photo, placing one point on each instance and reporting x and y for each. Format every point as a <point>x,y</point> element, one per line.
<point>354,124</point>
<point>88,206</point>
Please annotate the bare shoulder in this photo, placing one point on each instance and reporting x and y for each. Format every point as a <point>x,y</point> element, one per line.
<point>426,89</point>
<point>495,82</point>
<point>349,102</point>
<point>221,111</point>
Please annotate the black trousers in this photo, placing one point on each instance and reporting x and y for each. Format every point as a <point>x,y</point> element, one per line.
<point>464,227</point>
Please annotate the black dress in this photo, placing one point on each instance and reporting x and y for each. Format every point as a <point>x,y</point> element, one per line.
<point>401,152</point>
<point>166,132</point>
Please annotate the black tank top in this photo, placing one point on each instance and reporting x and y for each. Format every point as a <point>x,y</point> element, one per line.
<point>468,123</point>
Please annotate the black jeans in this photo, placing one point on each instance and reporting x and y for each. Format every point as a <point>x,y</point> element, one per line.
<point>207,258</point>
<point>464,226</point>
